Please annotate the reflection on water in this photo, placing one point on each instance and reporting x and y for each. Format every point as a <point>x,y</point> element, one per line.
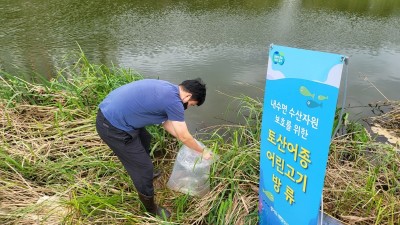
<point>224,42</point>
<point>367,7</point>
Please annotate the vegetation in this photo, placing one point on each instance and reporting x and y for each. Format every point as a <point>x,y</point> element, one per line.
<point>54,169</point>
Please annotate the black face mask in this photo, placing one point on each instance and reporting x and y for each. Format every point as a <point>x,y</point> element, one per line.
<point>185,105</point>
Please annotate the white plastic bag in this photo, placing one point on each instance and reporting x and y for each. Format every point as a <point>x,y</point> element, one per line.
<point>190,174</point>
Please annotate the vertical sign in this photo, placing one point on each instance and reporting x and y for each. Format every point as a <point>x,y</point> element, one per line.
<point>299,107</point>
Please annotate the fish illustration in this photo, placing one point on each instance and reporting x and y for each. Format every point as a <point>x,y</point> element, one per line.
<point>304,91</point>
<point>322,98</point>
<point>269,195</point>
<point>313,104</point>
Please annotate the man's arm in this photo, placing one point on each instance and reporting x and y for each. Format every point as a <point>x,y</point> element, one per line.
<point>180,131</point>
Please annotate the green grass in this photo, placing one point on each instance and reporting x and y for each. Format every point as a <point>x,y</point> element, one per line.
<point>49,147</point>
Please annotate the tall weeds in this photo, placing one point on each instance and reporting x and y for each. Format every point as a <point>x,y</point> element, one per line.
<point>54,169</point>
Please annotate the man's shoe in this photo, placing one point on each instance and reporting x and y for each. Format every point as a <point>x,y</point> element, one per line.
<point>153,208</point>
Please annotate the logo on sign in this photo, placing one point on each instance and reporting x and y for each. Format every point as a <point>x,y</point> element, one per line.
<point>278,58</point>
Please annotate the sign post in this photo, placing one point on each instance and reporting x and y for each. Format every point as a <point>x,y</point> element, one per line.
<point>299,107</point>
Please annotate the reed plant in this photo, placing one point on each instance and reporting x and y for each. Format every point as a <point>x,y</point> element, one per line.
<point>54,169</point>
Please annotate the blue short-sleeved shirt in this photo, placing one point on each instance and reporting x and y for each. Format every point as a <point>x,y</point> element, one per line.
<point>141,103</point>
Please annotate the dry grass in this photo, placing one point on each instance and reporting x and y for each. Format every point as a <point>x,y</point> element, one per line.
<point>55,169</point>
<point>361,186</point>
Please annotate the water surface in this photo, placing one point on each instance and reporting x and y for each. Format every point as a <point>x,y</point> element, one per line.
<point>224,42</point>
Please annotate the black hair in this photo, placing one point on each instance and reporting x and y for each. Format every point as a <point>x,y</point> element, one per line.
<point>197,88</point>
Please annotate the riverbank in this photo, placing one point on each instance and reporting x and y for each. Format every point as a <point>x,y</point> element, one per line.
<point>54,168</point>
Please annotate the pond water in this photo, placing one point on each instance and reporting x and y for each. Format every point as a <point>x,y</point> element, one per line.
<point>224,42</point>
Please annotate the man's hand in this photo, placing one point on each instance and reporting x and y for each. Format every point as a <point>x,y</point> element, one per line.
<point>207,154</point>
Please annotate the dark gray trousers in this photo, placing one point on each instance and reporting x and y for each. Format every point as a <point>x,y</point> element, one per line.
<point>132,149</point>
